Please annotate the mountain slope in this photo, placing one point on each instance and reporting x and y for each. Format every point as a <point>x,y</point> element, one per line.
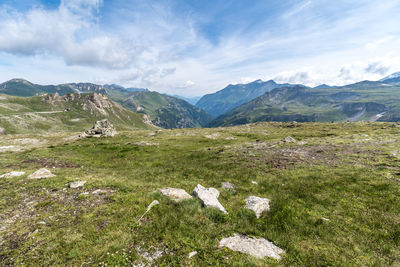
<point>392,79</point>
<point>167,111</point>
<point>370,101</point>
<point>71,112</point>
<point>234,95</point>
<point>21,87</point>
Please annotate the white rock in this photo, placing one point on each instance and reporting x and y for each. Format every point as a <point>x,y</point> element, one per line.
<point>289,139</point>
<point>227,185</point>
<point>12,174</point>
<point>209,197</point>
<point>257,247</point>
<point>192,254</point>
<point>254,182</point>
<point>41,173</point>
<point>175,194</point>
<point>257,204</point>
<point>77,184</point>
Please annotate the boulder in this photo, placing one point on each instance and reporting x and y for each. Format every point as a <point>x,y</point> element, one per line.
<point>257,247</point>
<point>257,204</point>
<point>101,128</point>
<point>175,194</point>
<point>12,174</point>
<point>209,197</point>
<point>77,184</point>
<point>41,173</point>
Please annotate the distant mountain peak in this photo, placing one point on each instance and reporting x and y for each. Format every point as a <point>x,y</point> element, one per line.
<point>391,76</point>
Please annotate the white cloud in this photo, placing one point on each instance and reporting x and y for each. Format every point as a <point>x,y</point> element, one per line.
<point>378,43</point>
<point>70,32</point>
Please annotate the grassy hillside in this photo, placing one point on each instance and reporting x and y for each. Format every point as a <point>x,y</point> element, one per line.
<point>166,111</point>
<point>72,112</point>
<point>335,197</point>
<point>370,101</point>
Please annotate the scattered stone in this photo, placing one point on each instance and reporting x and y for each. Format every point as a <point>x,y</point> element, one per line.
<point>254,182</point>
<point>100,192</point>
<point>325,219</point>
<point>2,131</point>
<point>77,184</point>
<point>209,197</point>
<point>289,139</point>
<point>192,254</point>
<point>228,186</point>
<point>175,194</point>
<point>41,173</point>
<point>42,223</point>
<point>257,204</point>
<point>257,247</point>
<point>12,174</point>
<point>101,128</point>
<point>152,204</point>
<point>212,136</point>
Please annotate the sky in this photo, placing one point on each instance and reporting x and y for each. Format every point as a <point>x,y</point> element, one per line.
<point>195,47</point>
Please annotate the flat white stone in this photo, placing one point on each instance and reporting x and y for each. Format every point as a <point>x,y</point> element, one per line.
<point>175,194</point>
<point>257,204</point>
<point>192,254</point>
<point>77,184</point>
<point>12,174</point>
<point>209,197</point>
<point>257,247</point>
<point>41,173</point>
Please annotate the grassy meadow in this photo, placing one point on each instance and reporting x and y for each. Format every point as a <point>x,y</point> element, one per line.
<point>335,196</point>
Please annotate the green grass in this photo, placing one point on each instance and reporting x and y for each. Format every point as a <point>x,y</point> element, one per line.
<point>343,172</point>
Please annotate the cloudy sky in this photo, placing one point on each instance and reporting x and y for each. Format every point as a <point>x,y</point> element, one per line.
<point>193,47</point>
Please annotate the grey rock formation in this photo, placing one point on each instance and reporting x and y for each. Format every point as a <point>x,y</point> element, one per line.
<point>257,204</point>
<point>175,194</point>
<point>101,128</point>
<point>41,173</point>
<point>209,197</point>
<point>257,247</point>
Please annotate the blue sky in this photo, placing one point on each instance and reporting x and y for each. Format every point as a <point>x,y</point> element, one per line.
<point>196,47</point>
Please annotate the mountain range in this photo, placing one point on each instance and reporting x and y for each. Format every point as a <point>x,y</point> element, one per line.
<point>240,103</point>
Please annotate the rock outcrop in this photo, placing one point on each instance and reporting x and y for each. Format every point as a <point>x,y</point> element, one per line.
<point>257,204</point>
<point>101,128</point>
<point>175,194</point>
<point>209,197</point>
<point>257,247</point>
<point>41,173</point>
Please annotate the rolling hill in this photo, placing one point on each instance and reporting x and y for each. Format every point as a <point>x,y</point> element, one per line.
<point>234,95</point>
<point>369,101</point>
<point>71,112</point>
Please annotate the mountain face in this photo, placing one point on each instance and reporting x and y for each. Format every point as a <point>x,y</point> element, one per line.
<point>21,87</point>
<point>70,112</point>
<point>392,79</point>
<point>369,101</point>
<point>167,111</point>
<point>234,95</point>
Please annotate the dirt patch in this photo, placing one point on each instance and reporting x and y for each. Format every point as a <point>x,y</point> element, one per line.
<point>51,163</point>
